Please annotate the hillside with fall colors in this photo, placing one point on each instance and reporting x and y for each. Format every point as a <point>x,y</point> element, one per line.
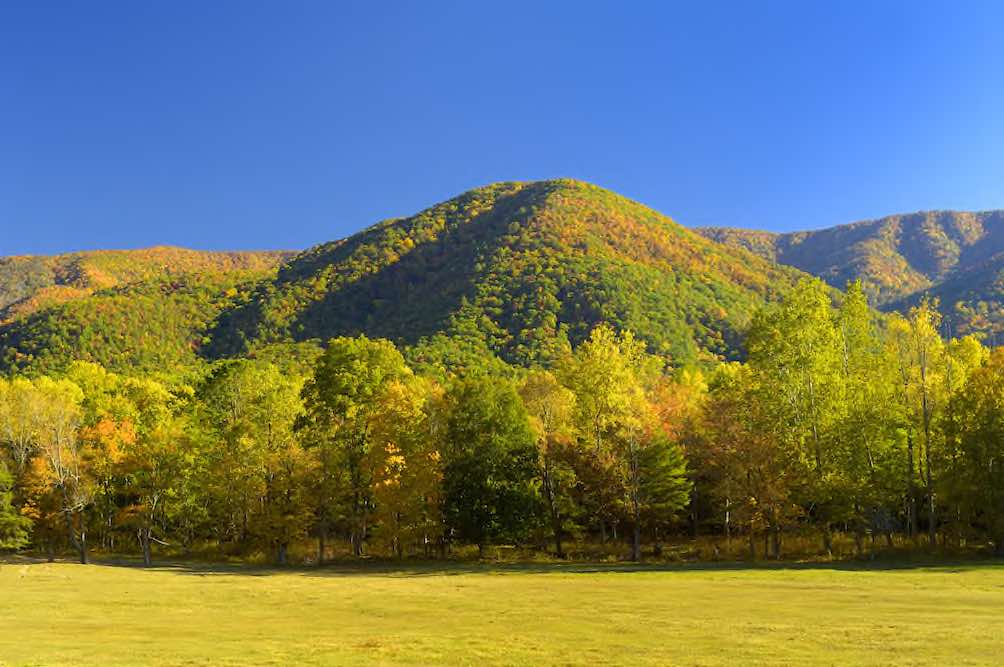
<point>517,271</point>
<point>31,282</point>
<point>510,271</point>
<point>125,308</point>
<point>955,256</point>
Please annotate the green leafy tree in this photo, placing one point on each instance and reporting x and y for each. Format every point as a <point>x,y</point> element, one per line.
<point>608,374</point>
<point>340,401</point>
<point>869,445</point>
<point>755,474</point>
<point>976,432</point>
<point>489,463</point>
<point>920,354</point>
<point>794,347</point>
<point>259,469</point>
<point>14,527</point>
<point>663,487</point>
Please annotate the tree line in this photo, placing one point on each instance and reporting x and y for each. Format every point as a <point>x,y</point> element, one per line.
<point>839,420</point>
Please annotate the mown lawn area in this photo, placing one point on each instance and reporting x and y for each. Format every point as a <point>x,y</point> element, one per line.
<point>66,614</point>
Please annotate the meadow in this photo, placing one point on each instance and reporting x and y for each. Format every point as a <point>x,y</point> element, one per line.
<point>453,613</point>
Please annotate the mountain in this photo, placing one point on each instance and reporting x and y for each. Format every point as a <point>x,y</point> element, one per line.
<point>123,308</point>
<point>510,271</point>
<point>513,269</point>
<point>955,256</point>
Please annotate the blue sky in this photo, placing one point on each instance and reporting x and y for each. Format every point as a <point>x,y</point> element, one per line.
<point>283,124</point>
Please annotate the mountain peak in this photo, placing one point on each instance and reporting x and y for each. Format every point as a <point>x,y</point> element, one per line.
<point>508,266</point>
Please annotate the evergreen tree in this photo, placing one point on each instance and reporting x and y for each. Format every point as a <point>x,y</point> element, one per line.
<point>15,529</point>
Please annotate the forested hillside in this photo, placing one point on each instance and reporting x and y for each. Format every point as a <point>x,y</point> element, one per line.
<point>144,309</point>
<point>953,255</point>
<point>511,272</point>
<point>31,282</point>
<point>508,273</point>
<point>514,270</point>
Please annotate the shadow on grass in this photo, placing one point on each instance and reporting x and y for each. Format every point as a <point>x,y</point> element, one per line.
<point>445,568</point>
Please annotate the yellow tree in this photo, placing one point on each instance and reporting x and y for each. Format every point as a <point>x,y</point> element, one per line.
<point>257,468</point>
<point>404,465</point>
<point>336,425</point>
<point>602,375</point>
<point>920,354</point>
<point>20,421</point>
<point>153,463</point>
<point>62,452</point>
<point>753,473</point>
<point>611,376</point>
<point>963,358</point>
<point>552,409</point>
<point>794,348</point>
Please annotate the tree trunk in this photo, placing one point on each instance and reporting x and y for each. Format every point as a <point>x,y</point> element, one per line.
<point>932,517</point>
<point>82,542</point>
<point>552,505</point>
<point>911,501</point>
<point>636,541</point>
<point>932,524</point>
<point>694,519</point>
<point>636,510</point>
<point>78,543</point>
<point>144,542</point>
<point>321,546</point>
<point>859,530</point>
<point>728,522</point>
<point>281,553</point>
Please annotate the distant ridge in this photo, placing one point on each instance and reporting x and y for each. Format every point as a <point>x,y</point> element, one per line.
<point>956,256</point>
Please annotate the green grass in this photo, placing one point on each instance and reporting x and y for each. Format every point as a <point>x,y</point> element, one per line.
<point>64,614</point>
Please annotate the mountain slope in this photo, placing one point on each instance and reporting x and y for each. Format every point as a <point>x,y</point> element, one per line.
<point>514,269</point>
<point>971,299</point>
<point>953,255</point>
<point>31,282</point>
<point>126,309</point>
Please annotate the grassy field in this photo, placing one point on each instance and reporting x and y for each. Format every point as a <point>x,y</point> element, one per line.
<point>65,614</point>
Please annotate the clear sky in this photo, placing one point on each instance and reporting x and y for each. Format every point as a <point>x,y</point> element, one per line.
<point>246,124</point>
